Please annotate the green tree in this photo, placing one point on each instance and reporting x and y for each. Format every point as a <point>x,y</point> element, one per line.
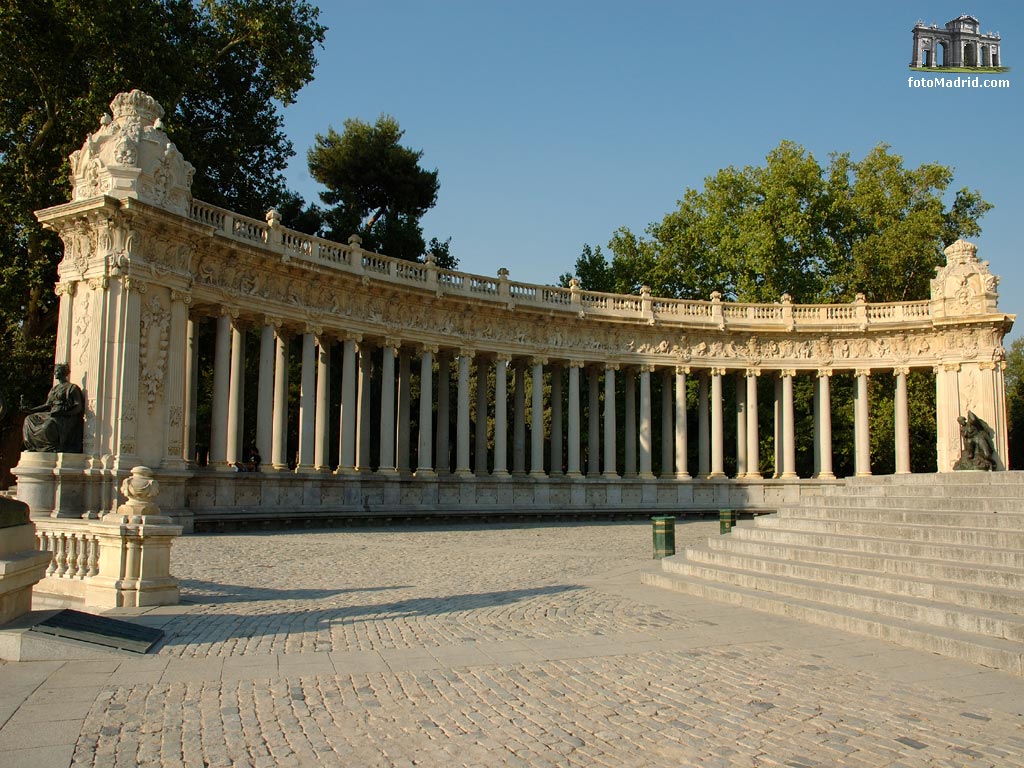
<point>375,186</point>
<point>819,233</point>
<point>222,69</point>
<point>1014,377</point>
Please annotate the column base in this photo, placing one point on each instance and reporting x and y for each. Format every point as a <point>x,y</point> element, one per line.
<point>345,471</point>
<point>610,475</point>
<point>789,476</point>
<point>387,472</point>
<point>426,472</point>
<point>647,476</point>
<point>825,476</point>
<point>500,473</point>
<point>683,476</point>
<point>463,474</point>
<point>574,475</point>
<point>716,476</point>
<point>539,474</point>
<point>863,474</point>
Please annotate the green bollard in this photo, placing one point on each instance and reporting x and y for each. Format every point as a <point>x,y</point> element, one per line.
<point>664,536</point>
<point>726,520</point>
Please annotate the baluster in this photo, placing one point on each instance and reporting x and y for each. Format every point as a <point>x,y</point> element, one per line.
<point>83,556</point>
<point>62,559</point>
<point>72,570</point>
<point>48,545</point>
<point>94,556</point>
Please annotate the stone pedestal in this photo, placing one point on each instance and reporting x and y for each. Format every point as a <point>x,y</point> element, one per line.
<point>36,481</point>
<point>135,550</point>
<point>21,564</point>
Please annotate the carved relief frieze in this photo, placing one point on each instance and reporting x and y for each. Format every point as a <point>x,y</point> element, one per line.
<point>154,341</point>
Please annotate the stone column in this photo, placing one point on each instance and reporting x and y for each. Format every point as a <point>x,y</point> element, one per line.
<point>519,419</point>
<point>279,436</point>
<point>322,449</point>
<point>667,436</point>
<point>593,422</point>
<point>65,313</point>
<point>178,357</point>
<point>610,469</point>
<point>265,394</point>
<point>645,422</point>
<point>862,435</point>
<point>557,467</point>
<point>741,426</point>
<point>364,417</point>
<point>629,423</point>
<point>462,416</point>
<point>387,407</point>
<point>232,452</point>
<point>192,389</point>
<point>753,436</point>
<point>902,422</point>
<point>703,427</point>
<point>480,454</point>
<point>426,462</point>
<point>221,387</point>
<point>682,472</point>
<point>825,423</point>
<point>349,408</point>
<point>443,460</point>
<point>537,418</point>
<point>717,425</point>
<point>779,435</point>
<point>788,426</point>
<point>307,403</point>
<point>501,416</point>
<point>402,437</point>
<point>573,451</point>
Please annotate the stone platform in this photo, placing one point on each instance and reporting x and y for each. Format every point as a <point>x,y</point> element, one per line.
<point>934,562</point>
<point>490,646</point>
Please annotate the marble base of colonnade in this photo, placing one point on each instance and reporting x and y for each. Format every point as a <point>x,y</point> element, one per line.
<point>69,486</point>
<point>222,500</point>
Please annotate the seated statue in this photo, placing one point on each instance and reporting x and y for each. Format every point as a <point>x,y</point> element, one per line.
<point>976,448</point>
<point>56,425</point>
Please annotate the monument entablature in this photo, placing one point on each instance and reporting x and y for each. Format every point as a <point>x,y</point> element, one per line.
<point>145,264</point>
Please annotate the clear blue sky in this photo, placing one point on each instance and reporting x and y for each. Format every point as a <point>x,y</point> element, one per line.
<point>554,123</point>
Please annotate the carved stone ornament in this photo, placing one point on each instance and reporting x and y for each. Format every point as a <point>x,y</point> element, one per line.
<point>131,156</point>
<point>965,286</point>
<point>154,341</point>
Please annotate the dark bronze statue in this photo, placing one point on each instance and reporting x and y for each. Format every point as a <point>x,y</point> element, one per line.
<point>56,425</point>
<point>976,449</point>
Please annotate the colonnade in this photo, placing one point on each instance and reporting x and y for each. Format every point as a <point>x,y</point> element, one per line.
<point>559,392</point>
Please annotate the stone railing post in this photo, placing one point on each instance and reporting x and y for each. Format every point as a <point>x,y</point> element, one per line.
<point>717,316</point>
<point>135,550</point>
<point>503,287</point>
<point>355,252</point>
<point>646,305</point>
<point>431,267</point>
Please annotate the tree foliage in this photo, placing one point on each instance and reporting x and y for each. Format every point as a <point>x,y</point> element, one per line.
<point>375,186</point>
<point>220,68</point>
<point>821,233</point>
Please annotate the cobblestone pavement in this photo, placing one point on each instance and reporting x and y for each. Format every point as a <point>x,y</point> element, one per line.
<point>476,646</point>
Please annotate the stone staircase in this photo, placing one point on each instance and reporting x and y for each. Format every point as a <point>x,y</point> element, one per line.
<point>933,562</point>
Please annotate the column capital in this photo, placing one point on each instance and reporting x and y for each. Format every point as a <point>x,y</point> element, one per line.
<point>824,373</point>
<point>315,330</point>
<point>226,311</point>
<point>862,372</point>
<point>425,349</point>
<point>647,368</point>
<point>69,287</point>
<point>684,369</point>
<point>538,361</point>
<point>987,365</point>
<point>787,373</point>
<point>611,366</point>
<point>753,372</point>
<point>901,370</point>
<point>717,371</point>
<point>577,364</point>
<point>503,357</point>
<point>467,352</point>
<point>392,343</point>
<point>183,296</point>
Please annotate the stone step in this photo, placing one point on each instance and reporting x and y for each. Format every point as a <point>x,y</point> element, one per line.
<point>937,503</point>
<point>943,570</point>
<point>987,651</point>
<point>1006,521</point>
<point>937,490</point>
<point>994,599</point>
<point>943,478</point>
<point>980,556</point>
<point>935,534</point>
<point>918,610</point>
